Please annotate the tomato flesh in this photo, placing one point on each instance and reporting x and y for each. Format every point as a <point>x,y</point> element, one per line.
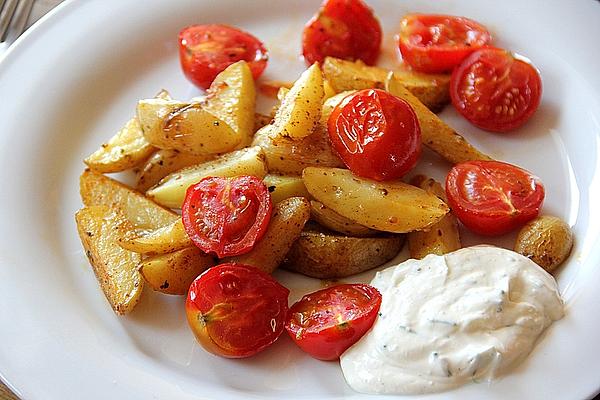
<point>206,50</point>
<point>344,29</point>
<point>327,322</point>
<point>495,91</point>
<point>226,216</point>
<point>438,43</point>
<point>491,197</point>
<point>236,310</point>
<point>376,134</point>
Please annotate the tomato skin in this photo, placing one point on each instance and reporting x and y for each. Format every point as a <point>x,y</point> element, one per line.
<point>493,198</point>
<point>437,43</point>
<point>206,50</point>
<point>327,322</point>
<point>376,134</point>
<point>236,310</point>
<point>495,91</point>
<point>345,29</point>
<point>226,216</point>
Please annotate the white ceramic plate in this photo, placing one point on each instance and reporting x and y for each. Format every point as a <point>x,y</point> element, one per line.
<point>69,84</point>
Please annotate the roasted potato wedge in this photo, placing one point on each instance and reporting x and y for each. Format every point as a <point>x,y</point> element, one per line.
<point>261,120</point>
<point>335,222</point>
<point>385,206</point>
<point>271,88</point>
<point>547,240</point>
<point>97,190</point>
<point>232,98</point>
<point>166,239</point>
<point>286,156</point>
<point>127,149</point>
<point>431,90</point>
<point>300,109</point>
<point>435,133</point>
<point>189,127</point>
<point>442,237</point>
<point>327,255</point>
<point>99,228</point>
<point>170,192</point>
<point>287,221</point>
<point>283,187</point>
<point>162,163</point>
<point>173,273</point>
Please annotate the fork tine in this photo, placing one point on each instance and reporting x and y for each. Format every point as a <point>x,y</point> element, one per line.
<point>6,16</point>
<point>19,20</point>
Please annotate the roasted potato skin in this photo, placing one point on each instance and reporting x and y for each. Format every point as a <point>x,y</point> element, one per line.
<point>323,254</point>
<point>337,223</point>
<point>442,237</point>
<point>173,273</point>
<point>115,268</point>
<point>286,224</point>
<point>166,239</point>
<point>547,240</point>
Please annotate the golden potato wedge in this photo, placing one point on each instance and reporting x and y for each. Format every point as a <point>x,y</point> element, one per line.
<point>300,109</point>
<point>283,187</point>
<point>547,240</point>
<point>435,133</point>
<point>385,206</point>
<point>166,239</point>
<point>335,222</point>
<point>287,221</point>
<point>328,90</point>
<point>97,189</point>
<point>162,163</point>
<point>431,89</point>
<point>327,255</point>
<point>173,273</point>
<point>188,127</point>
<point>442,237</point>
<point>170,192</point>
<point>232,98</point>
<point>286,156</point>
<point>125,150</point>
<point>115,268</point>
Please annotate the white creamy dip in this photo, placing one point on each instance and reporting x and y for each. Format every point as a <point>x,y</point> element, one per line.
<point>470,315</point>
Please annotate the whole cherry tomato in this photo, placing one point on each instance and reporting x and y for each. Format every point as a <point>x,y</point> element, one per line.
<point>344,29</point>
<point>226,216</point>
<point>376,134</point>
<point>437,43</point>
<point>492,197</point>
<point>495,91</point>
<point>327,322</point>
<point>206,50</point>
<point>236,310</point>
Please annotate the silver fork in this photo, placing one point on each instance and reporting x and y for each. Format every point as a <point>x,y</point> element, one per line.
<point>13,19</point>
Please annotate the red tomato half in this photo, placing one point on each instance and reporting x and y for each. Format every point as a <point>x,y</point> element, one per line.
<point>327,322</point>
<point>235,310</point>
<point>344,29</point>
<point>206,50</point>
<point>492,197</point>
<point>438,43</point>
<point>376,134</point>
<point>495,91</point>
<point>226,216</point>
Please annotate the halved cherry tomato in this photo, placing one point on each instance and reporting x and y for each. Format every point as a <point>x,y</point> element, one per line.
<point>376,134</point>
<point>226,216</point>
<point>206,50</point>
<point>236,310</point>
<point>438,43</point>
<point>327,322</point>
<point>492,197</point>
<point>495,91</point>
<point>344,29</point>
